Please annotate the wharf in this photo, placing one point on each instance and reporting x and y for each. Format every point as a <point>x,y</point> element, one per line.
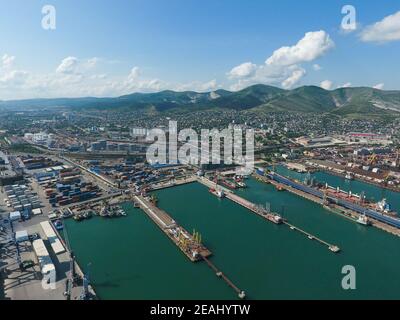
<point>186,242</point>
<point>271,217</point>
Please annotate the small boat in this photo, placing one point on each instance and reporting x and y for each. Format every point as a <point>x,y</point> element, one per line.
<point>280,188</point>
<point>78,217</point>
<point>349,176</point>
<point>363,219</point>
<point>87,215</point>
<point>241,184</point>
<point>136,205</point>
<point>121,212</point>
<point>58,225</point>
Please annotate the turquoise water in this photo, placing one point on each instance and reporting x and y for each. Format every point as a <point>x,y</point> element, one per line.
<point>132,259</point>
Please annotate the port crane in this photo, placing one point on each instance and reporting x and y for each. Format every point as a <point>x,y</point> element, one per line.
<point>85,294</point>
<point>373,159</point>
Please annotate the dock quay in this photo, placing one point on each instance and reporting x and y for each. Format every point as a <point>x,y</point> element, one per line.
<point>169,184</point>
<point>271,217</point>
<point>274,218</point>
<point>94,200</point>
<point>189,244</point>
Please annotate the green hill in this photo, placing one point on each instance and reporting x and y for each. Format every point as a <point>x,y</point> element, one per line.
<point>347,102</point>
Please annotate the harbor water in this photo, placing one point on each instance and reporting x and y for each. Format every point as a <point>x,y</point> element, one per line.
<point>130,258</point>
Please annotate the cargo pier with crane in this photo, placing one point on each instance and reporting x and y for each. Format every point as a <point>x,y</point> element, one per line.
<point>190,244</point>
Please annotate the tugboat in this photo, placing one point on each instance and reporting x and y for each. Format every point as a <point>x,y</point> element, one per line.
<point>363,219</point>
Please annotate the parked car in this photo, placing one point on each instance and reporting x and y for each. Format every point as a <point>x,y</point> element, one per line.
<point>26,264</point>
<point>34,237</point>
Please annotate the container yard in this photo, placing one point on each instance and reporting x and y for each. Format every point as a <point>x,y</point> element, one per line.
<point>128,173</point>
<point>65,185</point>
<point>22,199</point>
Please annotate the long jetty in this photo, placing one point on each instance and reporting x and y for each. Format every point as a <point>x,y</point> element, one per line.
<point>241,294</point>
<point>194,251</point>
<point>267,216</point>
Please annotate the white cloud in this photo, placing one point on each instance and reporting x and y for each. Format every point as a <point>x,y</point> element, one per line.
<point>379,86</point>
<point>317,67</point>
<point>345,85</point>
<point>244,70</point>
<point>388,29</point>
<point>12,78</point>
<point>283,67</point>
<point>7,61</point>
<point>312,46</point>
<point>134,74</point>
<point>68,65</point>
<point>196,86</point>
<point>294,78</point>
<point>72,65</point>
<point>326,84</point>
<point>92,62</point>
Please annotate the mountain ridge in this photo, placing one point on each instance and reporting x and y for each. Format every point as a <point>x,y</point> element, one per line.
<point>351,101</point>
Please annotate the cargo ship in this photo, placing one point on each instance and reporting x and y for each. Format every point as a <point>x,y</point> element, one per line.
<point>348,203</point>
<point>228,184</point>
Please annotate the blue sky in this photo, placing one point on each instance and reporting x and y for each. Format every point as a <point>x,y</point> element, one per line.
<point>109,48</point>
